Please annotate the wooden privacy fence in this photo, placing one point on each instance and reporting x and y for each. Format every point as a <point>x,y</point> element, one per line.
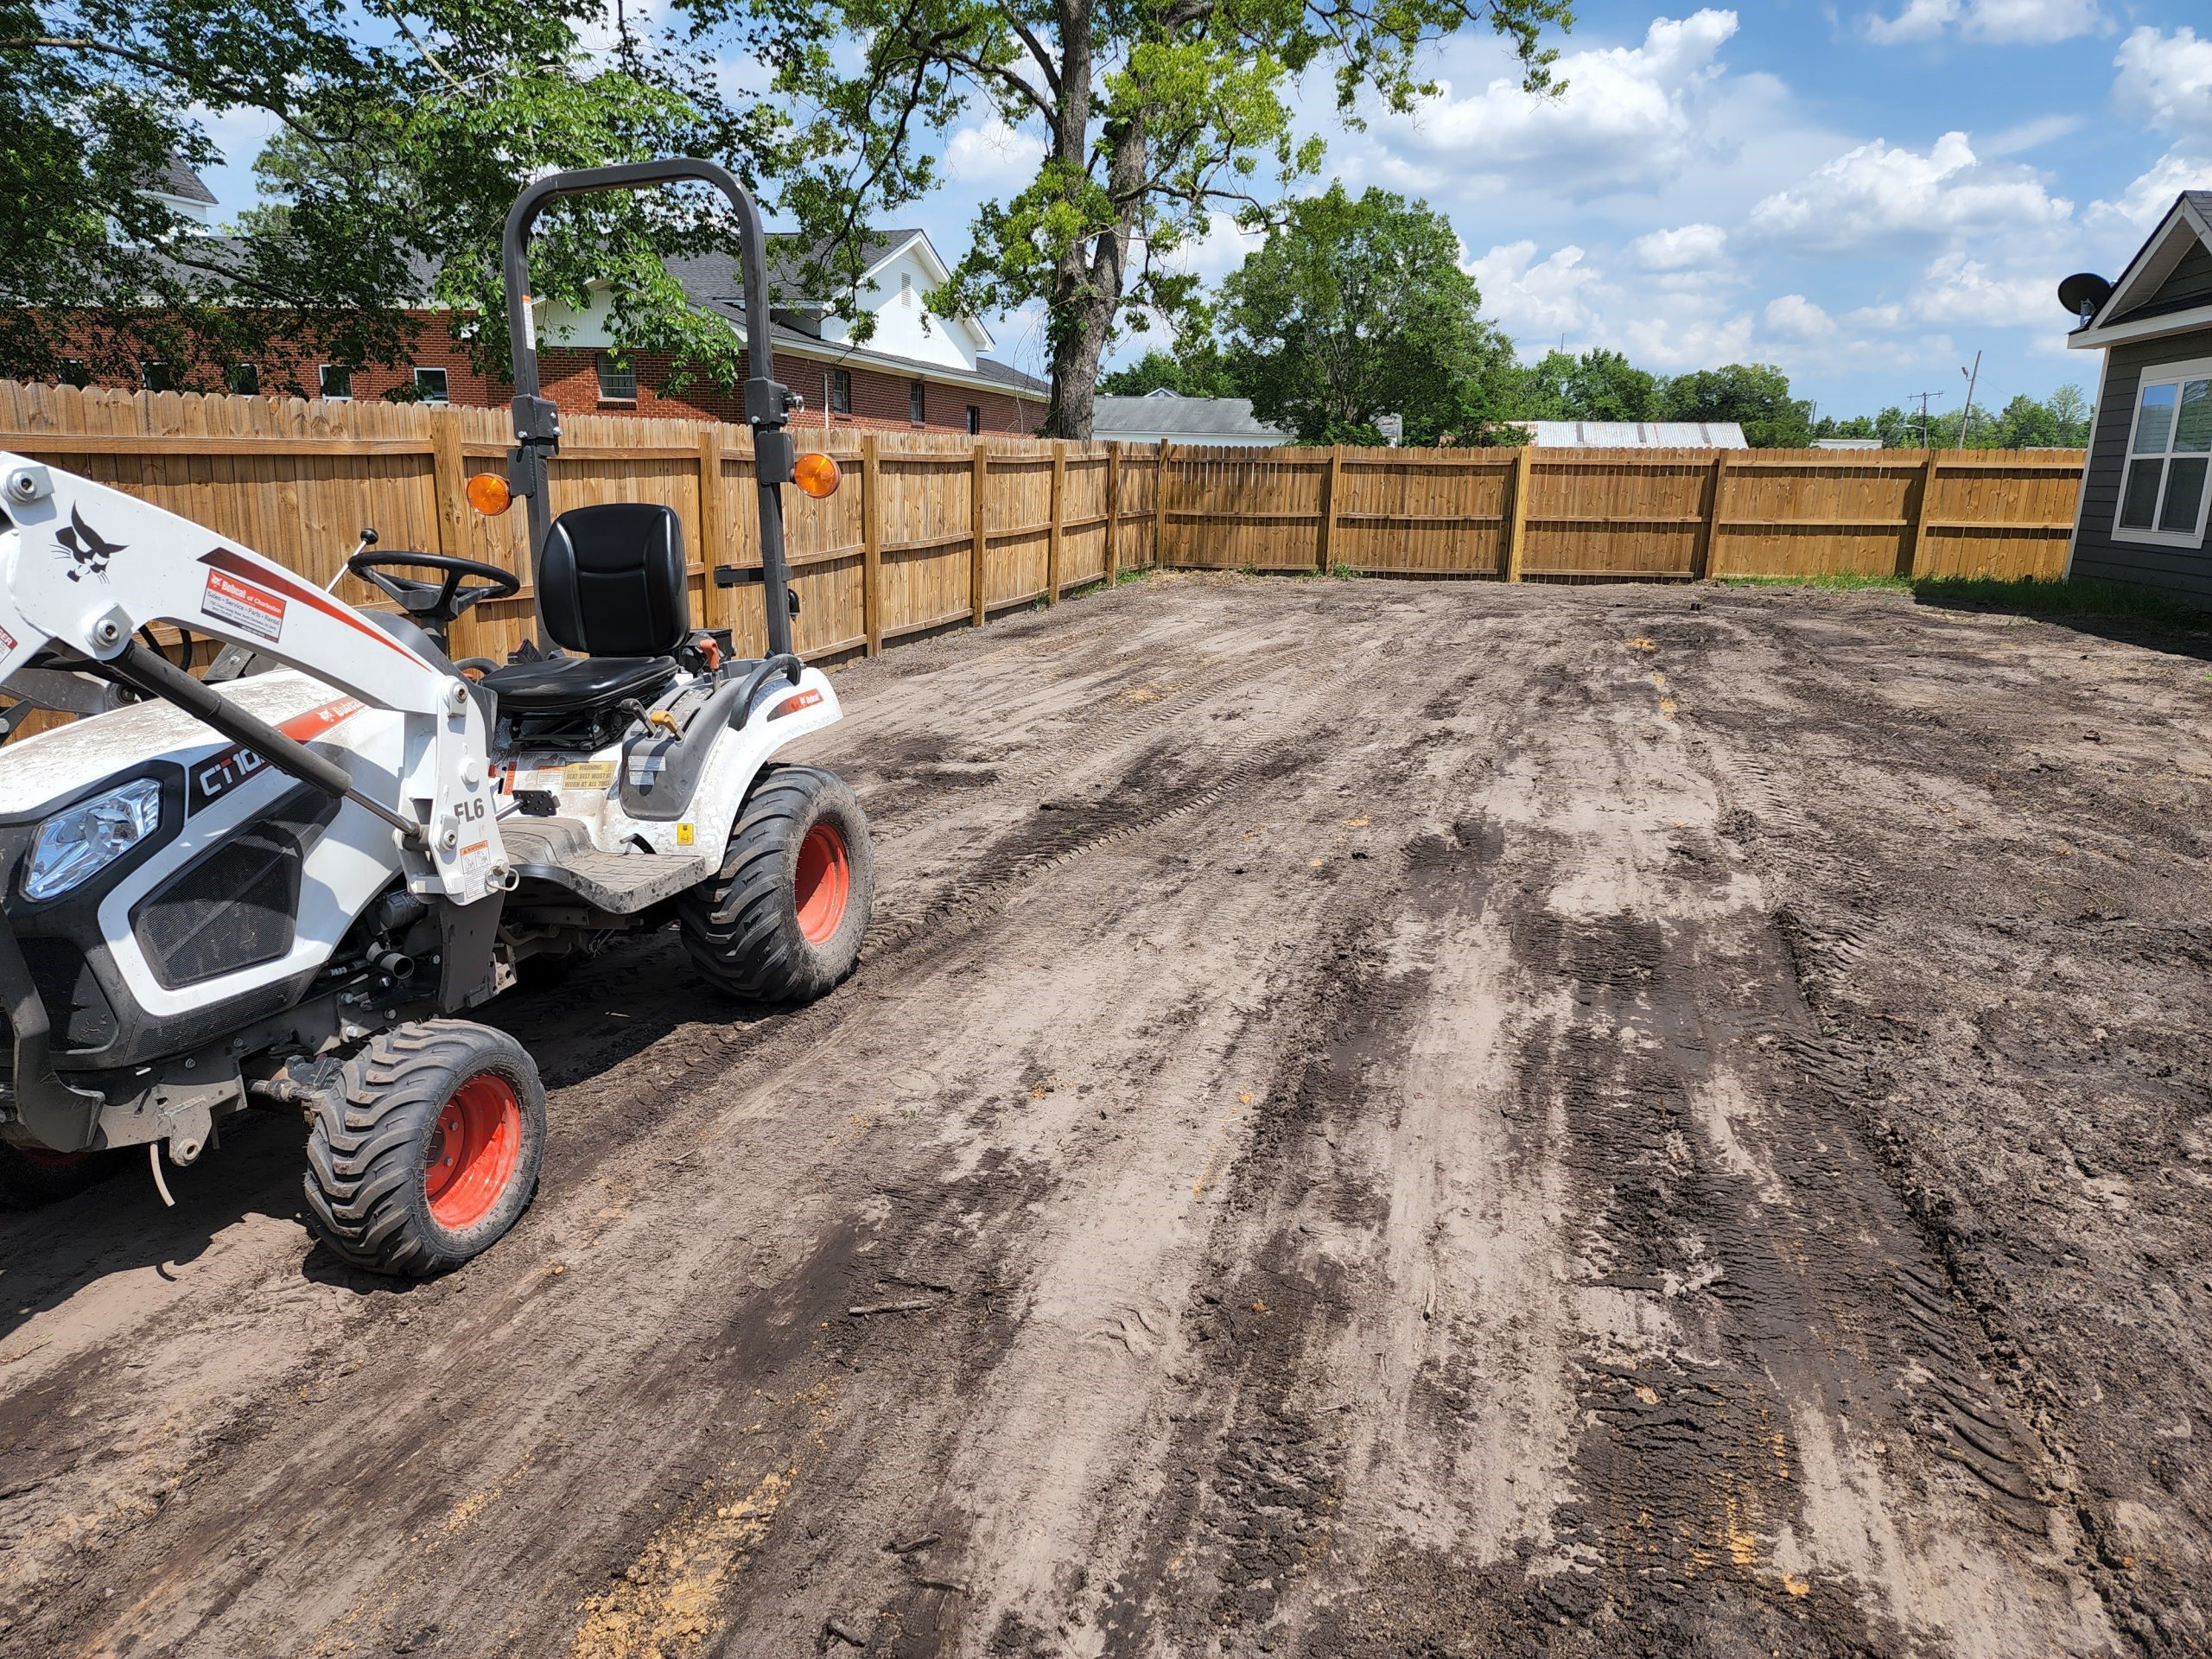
<point>930,530</point>
<point>927,530</point>
<point>1568,514</point>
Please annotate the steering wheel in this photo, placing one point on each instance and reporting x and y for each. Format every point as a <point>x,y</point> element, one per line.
<point>436,603</point>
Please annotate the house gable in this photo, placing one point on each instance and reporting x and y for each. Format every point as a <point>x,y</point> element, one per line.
<point>2167,287</point>
<point>896,293</point>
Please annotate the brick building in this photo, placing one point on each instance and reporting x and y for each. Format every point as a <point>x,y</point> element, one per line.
<point>918,372</point>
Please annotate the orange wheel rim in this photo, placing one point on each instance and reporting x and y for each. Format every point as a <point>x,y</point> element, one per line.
<point>824,882</point>
<point>475,1147</point>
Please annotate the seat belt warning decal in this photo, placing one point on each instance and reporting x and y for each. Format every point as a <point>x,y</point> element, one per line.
<point>254,610</point>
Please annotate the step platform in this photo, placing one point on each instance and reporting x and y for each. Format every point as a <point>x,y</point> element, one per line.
<point>559,853</point>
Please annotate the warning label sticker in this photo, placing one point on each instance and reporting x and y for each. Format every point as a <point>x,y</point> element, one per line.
<point>7,640</point>
<point>243,605</point>
<point>595,775</point>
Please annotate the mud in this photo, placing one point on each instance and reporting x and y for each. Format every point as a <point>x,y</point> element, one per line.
<point>1377,1119</point>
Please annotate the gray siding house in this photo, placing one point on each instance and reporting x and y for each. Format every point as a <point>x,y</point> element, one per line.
<point>2144,498</point>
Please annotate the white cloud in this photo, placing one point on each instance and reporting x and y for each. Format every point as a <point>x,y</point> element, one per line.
<point>1955,288</point>
<point>2009,23</point>
<point>1798,317</point>
<point>2167,83</point>
<point>1543,298</point>
<point>1630,117</point>
<point>1688,247</point>
<point>2148,198</point>
<point>2031,134</point>
<point>1875,193</point>
<point>1672,338</point>
<point>993,155</point>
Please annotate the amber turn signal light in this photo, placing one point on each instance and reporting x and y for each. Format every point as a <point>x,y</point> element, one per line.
<point>817,475</point>
<point>489,494</point>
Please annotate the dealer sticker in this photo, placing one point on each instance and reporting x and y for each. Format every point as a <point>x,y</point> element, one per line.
<point>253,610</point>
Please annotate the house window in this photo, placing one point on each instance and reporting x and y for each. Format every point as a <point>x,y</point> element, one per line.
<point>244,378</point>
<point>974,420</point>
<point>841,391</point>
<point>74,371</point>
<point>431,383</point>
<point>336,381</point>
<point>154,375</point>
<point>618,381</point>
<point>2162,492</point>
<point>917,405</point>
<point>906,288</point>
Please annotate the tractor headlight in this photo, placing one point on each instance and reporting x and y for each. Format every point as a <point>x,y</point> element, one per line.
<point>74,845</point>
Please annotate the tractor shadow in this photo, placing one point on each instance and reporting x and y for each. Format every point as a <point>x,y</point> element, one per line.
<point>603,1013</point>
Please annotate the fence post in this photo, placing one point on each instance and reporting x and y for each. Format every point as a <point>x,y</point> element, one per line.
<point>1059,511</point>
<point>1325,548</point>
<point>1516,528</point>
<point>1709,526</point>
<point>976,540</point>
<point>1160,510</point>
<point>447,478</point>
<point>714,520</point>
<point>1113,508</point>
<point>871,544</point>
<point>1916,515</point>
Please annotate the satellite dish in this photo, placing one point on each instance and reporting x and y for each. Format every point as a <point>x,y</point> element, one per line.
<point>2082,293</point>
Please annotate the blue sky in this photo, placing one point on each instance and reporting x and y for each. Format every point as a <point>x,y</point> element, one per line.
<point>1864,194</point>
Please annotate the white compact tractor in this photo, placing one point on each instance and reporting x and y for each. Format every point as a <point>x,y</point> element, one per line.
<point>279,885</point>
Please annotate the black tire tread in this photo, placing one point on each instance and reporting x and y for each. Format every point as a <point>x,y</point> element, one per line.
<point>362,1144</point>
<point>736,925</point>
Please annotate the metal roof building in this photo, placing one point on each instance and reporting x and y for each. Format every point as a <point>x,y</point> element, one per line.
<point>1160,415</point>
<point>1636,434</point>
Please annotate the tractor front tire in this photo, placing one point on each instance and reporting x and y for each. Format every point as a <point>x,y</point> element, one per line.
<point>427,1149</point>
<point>783,919</point>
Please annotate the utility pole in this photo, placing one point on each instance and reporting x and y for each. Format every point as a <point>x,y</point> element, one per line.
<point>1966,421</point>
<point>1924,397</point>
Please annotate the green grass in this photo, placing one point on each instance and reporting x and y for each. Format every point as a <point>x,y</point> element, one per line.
<point>2026,596</point>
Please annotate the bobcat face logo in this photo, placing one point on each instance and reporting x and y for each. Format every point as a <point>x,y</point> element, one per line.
<point>86,546</point>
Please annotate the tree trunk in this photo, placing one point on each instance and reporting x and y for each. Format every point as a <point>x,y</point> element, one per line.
<point>1087,293</point>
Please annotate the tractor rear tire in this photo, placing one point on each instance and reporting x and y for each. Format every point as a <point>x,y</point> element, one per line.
<point>783,919</point>
<point>427,1149</point>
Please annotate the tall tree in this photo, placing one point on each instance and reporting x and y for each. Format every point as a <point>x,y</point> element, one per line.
<point>1154,114</point>
<point>402,134</point>
<point>1754,395</point>
<point>1355,309</point>
<point>1194,369</point>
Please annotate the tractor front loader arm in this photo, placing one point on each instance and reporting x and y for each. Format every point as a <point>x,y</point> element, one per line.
<point>84,567</point>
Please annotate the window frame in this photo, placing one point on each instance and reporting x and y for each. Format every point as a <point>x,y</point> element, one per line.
<point>151,369</point>
<point>237,374</point>
<point>600,364</point>
<point>445,383</point>
<point>841,391</point>
<point>323,373</point>
<point>974,420</point>
<point>2161,374</point>
<point>918,402</point>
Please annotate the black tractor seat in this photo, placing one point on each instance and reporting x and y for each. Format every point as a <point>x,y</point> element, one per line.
<point>611,584</point>
<point>561,685</point>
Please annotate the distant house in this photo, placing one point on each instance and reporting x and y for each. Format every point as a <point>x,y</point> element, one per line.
<point>1163,414</point>
<point>184,192</point>
<point>917,371</point>
<point>1846,444</point>
<point>2144,493</point>
<point>1636,434</point>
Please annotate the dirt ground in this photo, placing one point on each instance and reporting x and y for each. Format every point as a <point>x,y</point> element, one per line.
<point>1377,1119</point>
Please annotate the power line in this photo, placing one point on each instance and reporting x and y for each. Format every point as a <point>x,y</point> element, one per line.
<point>1973,375</point>
<point>1925,396</point>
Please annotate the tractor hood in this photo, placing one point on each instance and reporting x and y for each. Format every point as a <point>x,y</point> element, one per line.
<point>54,765</point>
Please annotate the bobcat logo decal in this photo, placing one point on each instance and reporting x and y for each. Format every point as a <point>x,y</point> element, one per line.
<point>87,547</point>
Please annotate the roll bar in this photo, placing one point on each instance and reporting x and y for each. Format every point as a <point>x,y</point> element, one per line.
<point>767,404</point>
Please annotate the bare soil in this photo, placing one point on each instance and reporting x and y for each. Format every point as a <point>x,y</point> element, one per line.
<point>1377,1119</point>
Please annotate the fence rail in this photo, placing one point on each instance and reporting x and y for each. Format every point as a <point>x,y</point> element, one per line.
<point>933,530</point>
